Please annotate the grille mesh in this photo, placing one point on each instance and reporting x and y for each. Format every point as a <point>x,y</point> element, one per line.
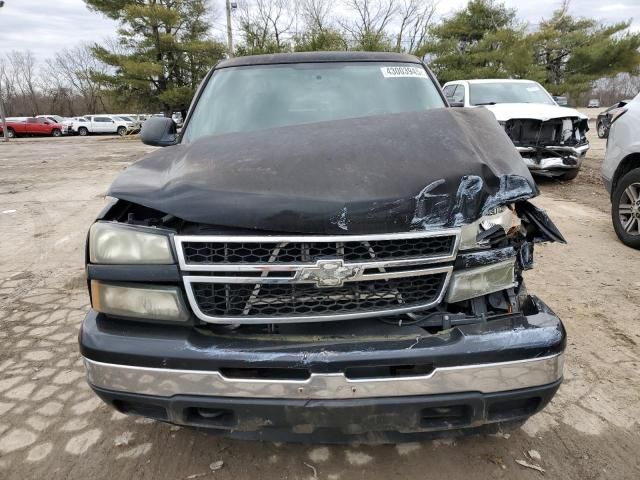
<point>273,300</point>
<point>209,253</point>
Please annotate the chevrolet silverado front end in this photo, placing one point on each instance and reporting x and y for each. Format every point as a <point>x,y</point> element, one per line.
<point>342,261</point>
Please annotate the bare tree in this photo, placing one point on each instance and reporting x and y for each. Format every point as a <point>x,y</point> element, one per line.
<point>79,70</point>
<point>280,15</point>
<point>416,17</point>
<point>7,84</point>
<point>266,24</point>
<point>23,68</point>
<point>315,14</point>
<point>623,86</point>
<point>372,17</point>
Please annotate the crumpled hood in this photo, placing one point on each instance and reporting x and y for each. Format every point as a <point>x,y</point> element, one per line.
<point>536,111</point>
<point>381,174</point>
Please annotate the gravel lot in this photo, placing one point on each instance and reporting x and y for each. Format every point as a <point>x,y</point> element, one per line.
<point>52,426</point>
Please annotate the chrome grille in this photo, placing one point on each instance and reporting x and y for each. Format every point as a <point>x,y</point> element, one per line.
<point>277,279</point>
<point>273,300</point>
<point>210,253</point>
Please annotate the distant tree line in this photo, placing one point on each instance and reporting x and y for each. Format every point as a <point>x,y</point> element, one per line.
<point>164,48</point>
<point>65,84</point>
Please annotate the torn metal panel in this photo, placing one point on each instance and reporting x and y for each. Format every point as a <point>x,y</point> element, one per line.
<point>541,228</point>
<point>383,174</point>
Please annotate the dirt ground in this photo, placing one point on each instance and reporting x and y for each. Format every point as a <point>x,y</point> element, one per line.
<point>53,427</point>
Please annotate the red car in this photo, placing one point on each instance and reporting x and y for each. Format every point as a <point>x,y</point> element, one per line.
<point>33,126</point>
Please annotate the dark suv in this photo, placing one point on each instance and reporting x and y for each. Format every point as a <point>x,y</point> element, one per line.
<point>326,252</point>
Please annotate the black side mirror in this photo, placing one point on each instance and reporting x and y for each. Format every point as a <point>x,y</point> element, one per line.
<point>159,132</point>
<point>456,104</point>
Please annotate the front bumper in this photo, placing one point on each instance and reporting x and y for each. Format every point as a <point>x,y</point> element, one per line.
<point>498,371</point>
<point>483,378</point>
<point>371,421</point>
<point>557,160</point>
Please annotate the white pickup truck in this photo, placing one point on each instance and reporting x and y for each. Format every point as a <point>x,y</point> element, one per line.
<point>98,124</point>
<point>551,139</point>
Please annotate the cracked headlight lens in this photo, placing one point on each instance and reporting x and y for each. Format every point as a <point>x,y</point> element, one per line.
<point>118,244</point>
<point>502,216</point>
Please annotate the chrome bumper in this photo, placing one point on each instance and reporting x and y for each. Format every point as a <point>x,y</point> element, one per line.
<point>555,163</point>
<point>483,378</point>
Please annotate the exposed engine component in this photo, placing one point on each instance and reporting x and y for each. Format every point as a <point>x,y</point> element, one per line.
<point>555,143</point>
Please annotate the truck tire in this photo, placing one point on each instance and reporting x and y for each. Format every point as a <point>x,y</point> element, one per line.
<point>122,131</point>
<point>56,133</point>
<point>603,132</point>
<point>625,209</point>
<point>83,132</point>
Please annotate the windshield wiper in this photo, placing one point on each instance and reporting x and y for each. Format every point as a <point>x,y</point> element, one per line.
<point>485,103</point>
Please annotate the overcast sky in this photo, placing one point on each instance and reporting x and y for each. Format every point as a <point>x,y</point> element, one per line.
<point>45,26</point>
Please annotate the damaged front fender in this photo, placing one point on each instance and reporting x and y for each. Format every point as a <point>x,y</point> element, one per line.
<point>540,228</point>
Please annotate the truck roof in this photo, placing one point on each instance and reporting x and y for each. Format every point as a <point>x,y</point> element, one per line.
<point>313,57</point>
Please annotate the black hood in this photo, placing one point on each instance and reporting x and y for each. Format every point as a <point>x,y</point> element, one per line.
<point>389,173</point>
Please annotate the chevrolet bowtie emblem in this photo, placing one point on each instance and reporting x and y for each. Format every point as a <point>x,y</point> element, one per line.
<point>328,273</point>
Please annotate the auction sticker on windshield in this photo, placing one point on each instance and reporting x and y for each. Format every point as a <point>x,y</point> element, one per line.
<point>403,72</point>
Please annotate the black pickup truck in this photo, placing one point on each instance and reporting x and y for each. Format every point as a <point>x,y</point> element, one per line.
<point>326,252</point>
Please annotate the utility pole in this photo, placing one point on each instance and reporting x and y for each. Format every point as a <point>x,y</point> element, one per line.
<point>2,117</point>
<point>4,122</point>
<point>229,28</point>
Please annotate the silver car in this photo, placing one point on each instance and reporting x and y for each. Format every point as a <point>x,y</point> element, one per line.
<point>621,172</point>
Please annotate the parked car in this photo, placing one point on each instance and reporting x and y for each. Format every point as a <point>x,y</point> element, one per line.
<point>348,261</point>
<point>551,139</point>
<point>561,101</point>
<point>132,126</point>
<point>32,126</point>
<point>140,117</point>
<point>96,124</point>
<point>621,172</point>
<point>593,103</point>
<point>133,122</point>
<point>603,122</point>
<point>80,126</point>
<point>61,120</point>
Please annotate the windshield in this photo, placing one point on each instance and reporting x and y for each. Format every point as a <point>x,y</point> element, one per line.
<point>243,99</point>
<point>491,93</point>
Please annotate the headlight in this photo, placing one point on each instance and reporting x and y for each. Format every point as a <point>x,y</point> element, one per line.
<point>475,282</point>
<point>127,300</point>
<point>118,244</point>
<point>502,216</point>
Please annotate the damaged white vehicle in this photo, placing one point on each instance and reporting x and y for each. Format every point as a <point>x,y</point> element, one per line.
<point>551,139</point>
